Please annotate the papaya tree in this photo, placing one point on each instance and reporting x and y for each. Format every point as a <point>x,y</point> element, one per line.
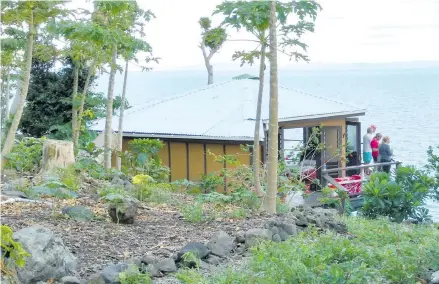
<point>269,203</point>
<point>28,14</point>
<point>129,52</point>
<point>212,40</point>
<point>254,17</point>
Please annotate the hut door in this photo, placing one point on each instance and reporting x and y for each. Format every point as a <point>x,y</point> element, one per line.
<point>332,143</point>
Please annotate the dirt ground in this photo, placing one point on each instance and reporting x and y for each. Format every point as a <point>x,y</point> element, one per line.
<point>96,244</point>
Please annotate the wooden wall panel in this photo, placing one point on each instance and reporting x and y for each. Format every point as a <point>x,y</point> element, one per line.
<point>211,164</point>
<point>196,161</point>
<point>164,154</point>
<point>178,161</point>
<point>243,157</point>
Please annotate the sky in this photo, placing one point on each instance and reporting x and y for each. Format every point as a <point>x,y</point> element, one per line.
<point>347,31</point>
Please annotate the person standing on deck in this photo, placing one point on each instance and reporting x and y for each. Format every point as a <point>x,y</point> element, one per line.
<point>367,149</point>
<point>385,153</point>
<point>374,145</point>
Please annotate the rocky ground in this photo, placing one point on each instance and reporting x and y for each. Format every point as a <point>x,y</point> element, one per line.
<point>160,231</point>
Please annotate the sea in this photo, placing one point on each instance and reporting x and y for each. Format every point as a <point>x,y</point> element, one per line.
<point>403,102</point>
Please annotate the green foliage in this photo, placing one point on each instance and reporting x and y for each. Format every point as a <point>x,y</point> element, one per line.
<point>70,177</point>
<point>193,213</point>
<point>338,199</point>
<point>433,168</point>
<point>210,182</point>
<point>11,249</point>
<point>191,259</point>
<point>142,158</point>
<point>381,252</point>
<point>26,155</point>
<point>133,276</point>
<point>400,199</point>
<point>254,17</point>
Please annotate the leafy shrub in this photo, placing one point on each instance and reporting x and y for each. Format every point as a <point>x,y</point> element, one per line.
<point>399,199</point>
<point>211,181</point>
<point>26,155</point>
<point>142,158</point>
<point>11,249</point>
<point>70,178</point>
<point>433,168</point>
<point>381,252</point>
<point>133,276</point>
<point>161,193</point>
<point>338,199</point>
<point>192,213</point>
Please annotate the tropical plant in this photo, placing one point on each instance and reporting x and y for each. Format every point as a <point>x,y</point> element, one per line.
<point>30,14</point>
<point>254,17</point>
<point>433,169</point>
<point>212,39</point>
<point>26,155</point>
<point>12,251</point>
<point>398,199</point>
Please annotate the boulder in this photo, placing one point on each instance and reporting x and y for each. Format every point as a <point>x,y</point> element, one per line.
<point>198,249</point>
<point>152,270</point>
<point>277,238</point>
<point>149,259</point>
<point>123,213</point>
<point>435,278</point>
<point>240,237</point>
<point>221,244</point>
<point>255,236</point>
<point>50,258</point>
<point>70,280</point>
<point>110,274</point>
<point>167,265</point>
<point>78,212</point>
<point>213,259</point>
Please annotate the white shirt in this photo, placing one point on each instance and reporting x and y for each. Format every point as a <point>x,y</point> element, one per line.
<point>367,139</point>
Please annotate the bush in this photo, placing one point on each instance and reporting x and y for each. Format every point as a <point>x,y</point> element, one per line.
<point>26,155</point>
<point>12,250</point>
<point>398,199</point>
<point>133,276</point>
<point>433,169</point>
<point>381,252</point>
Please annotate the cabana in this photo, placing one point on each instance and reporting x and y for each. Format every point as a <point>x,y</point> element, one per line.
<point>220,118</point>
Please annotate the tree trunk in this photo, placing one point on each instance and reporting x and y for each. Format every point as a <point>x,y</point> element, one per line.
<point>8,80</point>
<point>57,154</point>
<point>9,142</point>
<point>83,97</point>
<point>209,73</point>
<point>270,198</point>
<point>74,108</point>
<point>122,109</point>
<point>108,121</point>
<point>256,151</point>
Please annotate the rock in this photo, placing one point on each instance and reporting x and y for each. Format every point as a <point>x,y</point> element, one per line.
<point>240,237</point>
<point>124,213</point>
<point>240,250</point>
<point>134,261</point>
<point>221,244</point>
<point>70,280</point>
<point>290,229</point>
<point>49,257</point>
<point>198,249</point>
<point>435,278</point>
<point>283,235</point>
<point>166,265</point>
<point>255,236</point>
<point>149,259</point>
<point>205,266</point>
<point>337,226</point>
<point>277,238</point>
<point>14,193</point>
<point>152,270</point>
<point>275,230</point>
<point>110,274</point>
<point>96,279</point>
<point>78,212</point>
<point>301,220</point>
<point>213,259</point>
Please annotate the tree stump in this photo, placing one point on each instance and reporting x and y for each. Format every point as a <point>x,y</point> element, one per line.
<point>57,154</point>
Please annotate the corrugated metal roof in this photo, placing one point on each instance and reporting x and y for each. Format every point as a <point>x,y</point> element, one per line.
<point>224,110</point>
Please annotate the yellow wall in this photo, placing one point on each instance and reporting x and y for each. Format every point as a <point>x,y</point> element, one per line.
<point>178,161</point>
<point>195,157</point>
<point>196,161</point>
